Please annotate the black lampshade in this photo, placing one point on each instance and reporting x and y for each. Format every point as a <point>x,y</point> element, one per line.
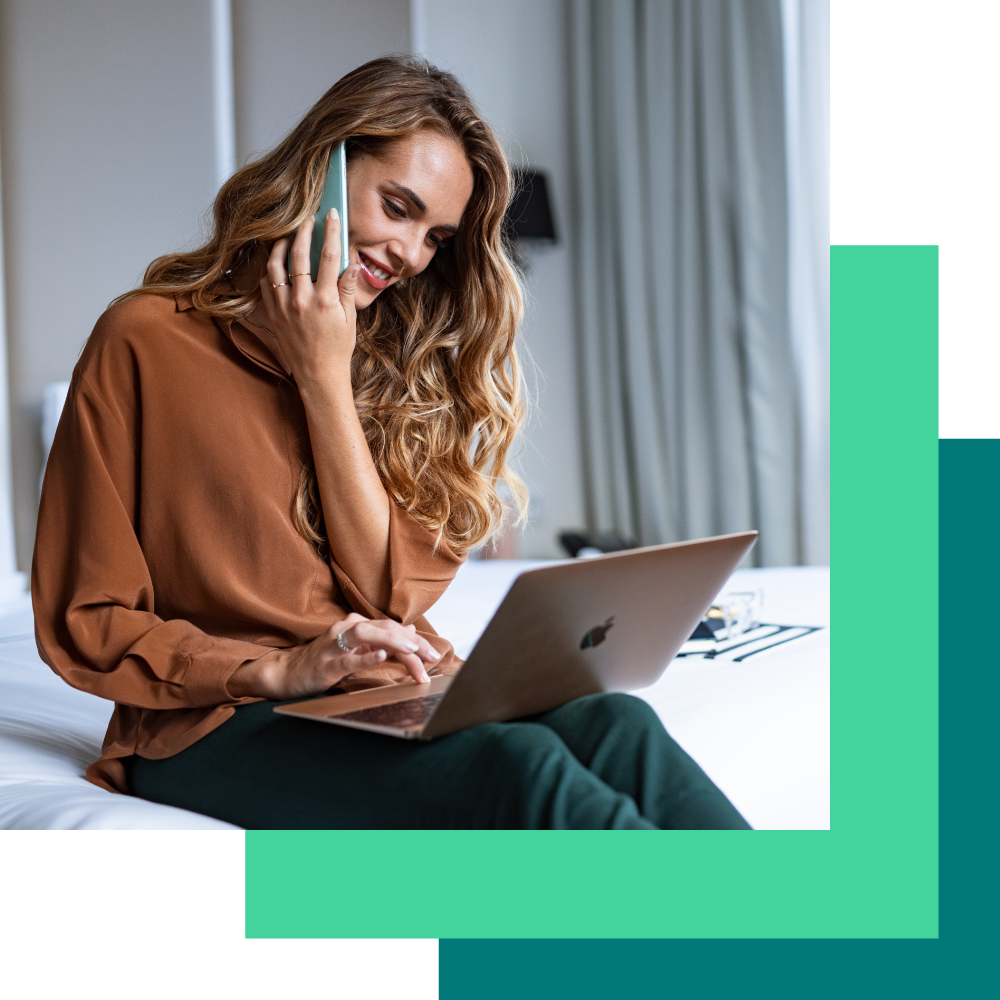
<point>530,216</point>
<point>599,541</point>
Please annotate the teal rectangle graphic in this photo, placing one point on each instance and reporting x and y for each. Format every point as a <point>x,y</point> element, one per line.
<point>958,964</point>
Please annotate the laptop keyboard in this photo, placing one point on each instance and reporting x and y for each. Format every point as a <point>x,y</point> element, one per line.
<point>398,715</point>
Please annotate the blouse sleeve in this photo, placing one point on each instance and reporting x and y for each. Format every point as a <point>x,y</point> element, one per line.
<point>420,569</point>
<point>91,587</point>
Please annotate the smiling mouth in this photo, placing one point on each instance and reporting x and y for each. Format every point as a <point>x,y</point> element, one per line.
<point>376,275</point>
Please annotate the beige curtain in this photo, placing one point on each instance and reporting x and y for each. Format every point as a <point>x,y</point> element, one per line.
<point>687,371</point>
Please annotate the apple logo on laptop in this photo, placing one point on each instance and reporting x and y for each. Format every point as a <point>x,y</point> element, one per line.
<point>597,634</point>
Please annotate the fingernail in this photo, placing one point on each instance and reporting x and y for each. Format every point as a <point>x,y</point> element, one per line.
<point>380,654</point>
<point>332,214</point>
<point>411,647</point>
<point>434,654</point>
<point>424,678</point>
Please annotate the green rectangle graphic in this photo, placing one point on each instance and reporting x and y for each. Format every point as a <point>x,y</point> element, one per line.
<point>874,874</point>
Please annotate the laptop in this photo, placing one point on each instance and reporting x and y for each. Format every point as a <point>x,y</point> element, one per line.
<point>610,623</point>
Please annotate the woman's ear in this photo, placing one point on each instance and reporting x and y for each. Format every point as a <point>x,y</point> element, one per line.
<point>248,267</point>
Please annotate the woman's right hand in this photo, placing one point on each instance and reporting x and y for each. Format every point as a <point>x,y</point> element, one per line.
<point>315,323</point>
<point>313,668</point>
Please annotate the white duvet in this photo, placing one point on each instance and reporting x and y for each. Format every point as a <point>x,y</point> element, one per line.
<point>760,728</point>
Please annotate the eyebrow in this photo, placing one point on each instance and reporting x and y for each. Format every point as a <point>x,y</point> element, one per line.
<point>420,203</point>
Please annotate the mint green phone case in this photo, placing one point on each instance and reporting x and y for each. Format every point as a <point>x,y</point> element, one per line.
<point>334,196</point>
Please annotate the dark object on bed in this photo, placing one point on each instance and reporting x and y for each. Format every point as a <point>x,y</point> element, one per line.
<point>529,216</point>
<point>707,628</point>
<point>601,541</point>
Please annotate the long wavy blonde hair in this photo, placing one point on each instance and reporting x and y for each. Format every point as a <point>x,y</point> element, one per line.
<point>437,381</point>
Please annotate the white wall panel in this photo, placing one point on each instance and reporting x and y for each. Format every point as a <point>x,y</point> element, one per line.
<point>287,55</point>
<point>11,582</point>
<point>108,162</point>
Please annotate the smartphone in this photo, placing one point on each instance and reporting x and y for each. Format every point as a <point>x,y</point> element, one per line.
<point>334,196</point>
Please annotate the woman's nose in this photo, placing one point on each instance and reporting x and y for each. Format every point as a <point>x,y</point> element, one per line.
<point>407,252</point>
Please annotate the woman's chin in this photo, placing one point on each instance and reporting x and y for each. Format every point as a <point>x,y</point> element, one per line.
<point>366,292</point>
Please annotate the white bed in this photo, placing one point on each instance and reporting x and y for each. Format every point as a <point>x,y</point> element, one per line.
<point>760,728</point>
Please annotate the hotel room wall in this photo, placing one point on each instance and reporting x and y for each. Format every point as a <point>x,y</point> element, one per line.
<point>108,146</point>
<point>512,57</point>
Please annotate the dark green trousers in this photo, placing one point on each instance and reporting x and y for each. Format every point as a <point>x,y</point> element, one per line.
<point>603,762</point>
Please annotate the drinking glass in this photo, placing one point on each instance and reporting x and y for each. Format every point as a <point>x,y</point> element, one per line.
<point>739,611</point>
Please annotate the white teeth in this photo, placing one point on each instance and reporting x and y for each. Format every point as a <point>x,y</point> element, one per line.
<point>378,272</point>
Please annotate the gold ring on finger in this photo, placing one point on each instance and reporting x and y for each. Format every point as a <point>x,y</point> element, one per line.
<point>300,274</point>
<point>281,284</point>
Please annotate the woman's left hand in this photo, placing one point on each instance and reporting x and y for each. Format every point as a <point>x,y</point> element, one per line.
<point>315,324</point>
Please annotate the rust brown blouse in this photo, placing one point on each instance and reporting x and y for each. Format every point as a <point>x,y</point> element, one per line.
<point>166,553</point>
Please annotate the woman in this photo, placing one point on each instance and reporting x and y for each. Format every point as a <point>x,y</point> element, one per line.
<point>260,484</point>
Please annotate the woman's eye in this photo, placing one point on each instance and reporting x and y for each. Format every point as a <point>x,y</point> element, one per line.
<point>395,209</point>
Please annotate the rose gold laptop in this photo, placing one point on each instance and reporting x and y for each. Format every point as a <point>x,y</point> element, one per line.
<point>611,623</point>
